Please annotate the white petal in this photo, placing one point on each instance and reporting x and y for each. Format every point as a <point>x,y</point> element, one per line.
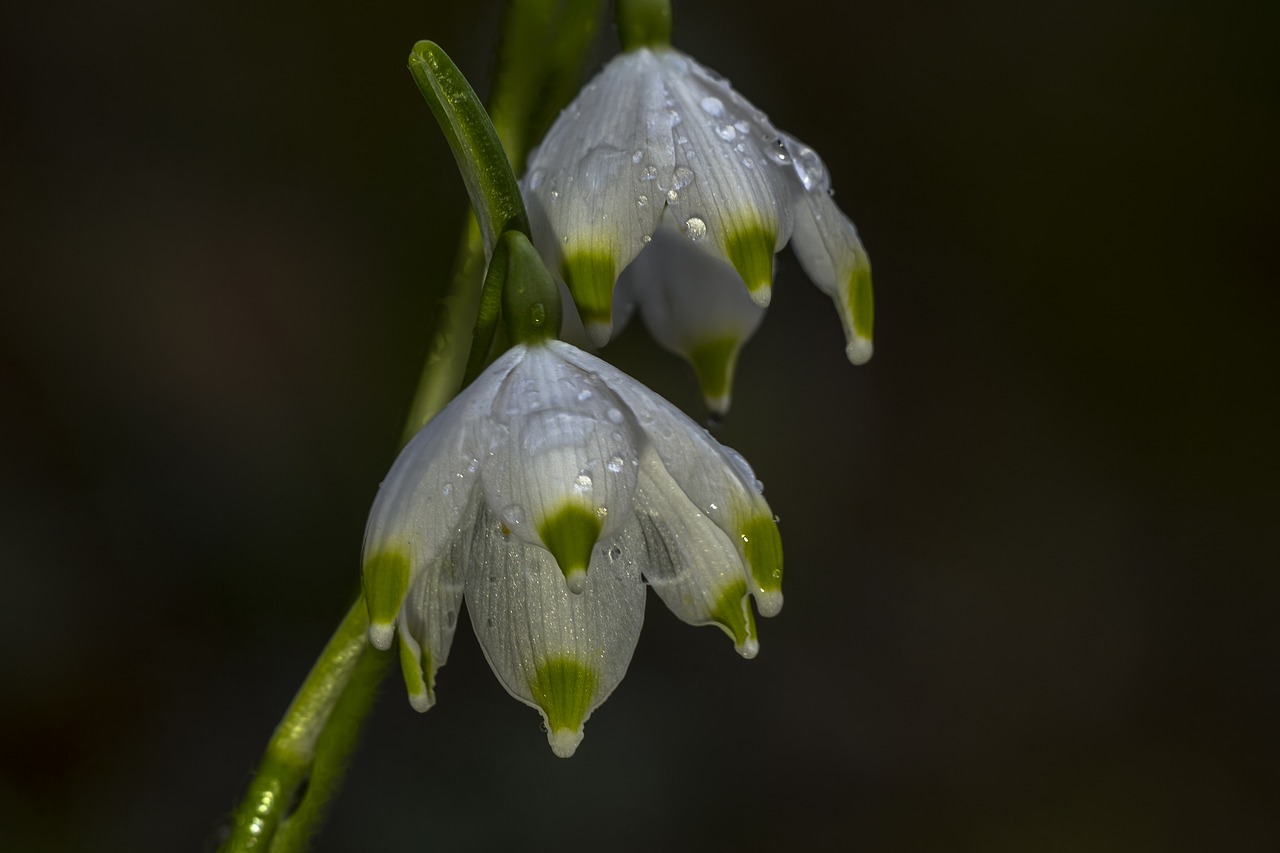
<point>827,245</point>
<point>556,651</point>
<point>689,561</point>
<point>727,194</point>
<point>429,617</point>
<point>561,449</point>
<point>594,186</point>
<point>695,306</point>
<point>715,478</point>
<point>416,511</point>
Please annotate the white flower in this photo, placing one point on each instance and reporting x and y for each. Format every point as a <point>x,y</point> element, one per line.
<point>655,134</point>
<point>544,494</point>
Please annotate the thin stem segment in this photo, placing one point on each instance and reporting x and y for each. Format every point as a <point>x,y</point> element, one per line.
<point>326,712</point>
<point>644,23</point>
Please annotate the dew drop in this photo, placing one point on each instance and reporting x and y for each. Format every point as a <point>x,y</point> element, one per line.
<point>614,416</point>
<point>648,173</point>
<point>584,395</point>
<point>673,197</point>
<point>615,464</point>
<point>582,482</point>
<point>726,132</point>
<point>682,177</point>
<point>637,156</point>
<point>646,239</point>
<point>713,106</point>
<point>642,201</point>
<point>742,127</point>
<point>695,228</point>
<point>809,168</point>
<point>555,194</point>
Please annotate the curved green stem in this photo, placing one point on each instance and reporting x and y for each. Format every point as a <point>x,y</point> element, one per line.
<point>291,783</point>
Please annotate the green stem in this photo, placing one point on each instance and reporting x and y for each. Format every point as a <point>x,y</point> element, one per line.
<point>643,23</point>
<point>291,785</point>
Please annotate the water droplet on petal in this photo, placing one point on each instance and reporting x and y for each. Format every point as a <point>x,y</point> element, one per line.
<point>682,177</point>
<point>648,173</point>
<point>584,395</point>
<point>695,228</point>
<point>726,132</point>
<point>637,156</point>
<point>642,201</point>
<point>713,106</point>
<point>582,482</point>
<point>615,464</point>
<point>614,416</point>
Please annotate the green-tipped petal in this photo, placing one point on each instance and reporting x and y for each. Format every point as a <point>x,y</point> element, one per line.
<point>750,250</point>
<point>565,690</point>
<point>761,548</point>
<point>386,583</point>
<point>732,612</point>
<point>570,533</point>
<point>828,247</point>
<point>590,277</point>
<point>859,311</point>
<point>559,652</point>
<point>714,362</point>
<point>419,673</point>
<point>696,306</point>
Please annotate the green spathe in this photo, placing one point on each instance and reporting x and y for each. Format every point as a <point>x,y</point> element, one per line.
<point>565,690</point>
<point>570,534</point>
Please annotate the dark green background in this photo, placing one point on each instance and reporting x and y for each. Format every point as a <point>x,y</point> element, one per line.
<point>1031,548</point>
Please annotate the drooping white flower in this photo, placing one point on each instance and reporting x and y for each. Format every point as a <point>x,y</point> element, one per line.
<point>546,494</point>
<point>656,134</point>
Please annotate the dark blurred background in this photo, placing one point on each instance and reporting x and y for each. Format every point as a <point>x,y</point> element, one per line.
<point>1031,548</point>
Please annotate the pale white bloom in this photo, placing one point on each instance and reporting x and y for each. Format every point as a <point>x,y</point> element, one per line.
<point>547,494</point>
<point>657,135</point>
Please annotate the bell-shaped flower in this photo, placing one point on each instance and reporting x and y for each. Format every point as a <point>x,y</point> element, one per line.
<point>546,495</point>
<point>657,135</point>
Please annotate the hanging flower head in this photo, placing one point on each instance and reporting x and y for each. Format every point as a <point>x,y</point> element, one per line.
<point>546,495</point>
<point>656,138</point>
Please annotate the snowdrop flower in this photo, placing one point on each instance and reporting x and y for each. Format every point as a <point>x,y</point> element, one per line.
<point>547,494</point>
<point>657,135</point>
